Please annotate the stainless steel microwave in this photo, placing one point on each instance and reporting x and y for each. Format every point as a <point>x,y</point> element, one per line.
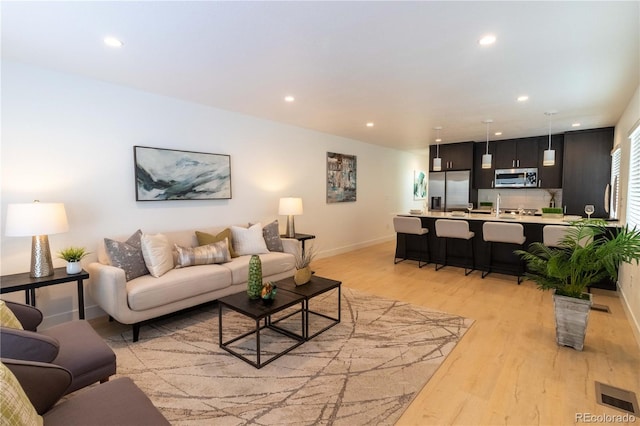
<point>516,178</point>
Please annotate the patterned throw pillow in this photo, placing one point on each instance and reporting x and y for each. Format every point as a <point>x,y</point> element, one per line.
<point>271,234</point>
<point>156,251</point>
<point>249,240</point>
<point>127,255</point>
<point>8,318</point>
<point>15,406</point>
<point>205,238</point>
<point>202,255</point>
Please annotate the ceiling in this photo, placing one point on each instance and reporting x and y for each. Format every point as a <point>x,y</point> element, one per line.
<point>405,66</point>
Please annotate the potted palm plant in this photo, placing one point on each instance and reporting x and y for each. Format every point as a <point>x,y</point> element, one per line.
<point>73,255</point>
<point>588,253</point>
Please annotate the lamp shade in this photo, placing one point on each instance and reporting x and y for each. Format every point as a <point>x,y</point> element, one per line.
<point>437,164</point>
<point>549,158</point>
<point>486,161</point>
<point>290,206</point>
<point>29,219</point>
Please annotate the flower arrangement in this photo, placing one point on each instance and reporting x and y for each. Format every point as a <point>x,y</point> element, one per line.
<point>303,259</point>
<point>72,254</point>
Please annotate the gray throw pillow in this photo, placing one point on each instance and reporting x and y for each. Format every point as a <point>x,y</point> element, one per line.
<point>127,255</point>
<point>271,234</point>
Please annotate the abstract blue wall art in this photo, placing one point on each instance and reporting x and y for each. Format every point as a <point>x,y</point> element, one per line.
<point>167,174</point>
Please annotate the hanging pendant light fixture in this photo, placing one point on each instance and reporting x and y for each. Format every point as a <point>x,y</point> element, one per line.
<point>437,161</point>
<point>549,158</point>
<point>486,157</point>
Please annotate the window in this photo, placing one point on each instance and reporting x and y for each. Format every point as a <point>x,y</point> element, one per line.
<point>614,194</point>
<point>633,190</point>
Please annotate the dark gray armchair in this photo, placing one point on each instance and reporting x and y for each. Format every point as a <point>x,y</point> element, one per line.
<point>119,402</point>
<point>73,345</point>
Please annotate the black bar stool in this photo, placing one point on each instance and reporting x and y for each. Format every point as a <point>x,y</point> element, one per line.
<point>459,229</point>
<point>405,227</point>
<point>503,233</point>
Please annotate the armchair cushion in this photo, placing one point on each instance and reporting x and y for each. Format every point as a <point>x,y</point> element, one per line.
<point>15,406</point>
<point>44,384</point>
<point>7,318</point>
<point>27,345</point>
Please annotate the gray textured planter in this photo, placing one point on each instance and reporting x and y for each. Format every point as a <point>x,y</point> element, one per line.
<point>572,316</point>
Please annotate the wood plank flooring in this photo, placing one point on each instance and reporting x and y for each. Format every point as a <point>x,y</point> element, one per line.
<point>508,369</point>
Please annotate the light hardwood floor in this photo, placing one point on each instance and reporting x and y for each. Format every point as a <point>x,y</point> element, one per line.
<point>507,369</point>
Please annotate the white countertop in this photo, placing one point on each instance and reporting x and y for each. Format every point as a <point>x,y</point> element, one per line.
<point>503,217</point>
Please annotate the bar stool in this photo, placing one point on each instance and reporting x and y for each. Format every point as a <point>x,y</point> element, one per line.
<point>552,235</point>
<point>503,233</point>
<point>405,227</point>
<point>459,229</point>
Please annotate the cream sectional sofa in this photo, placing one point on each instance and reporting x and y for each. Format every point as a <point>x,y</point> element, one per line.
<point>147,297</point>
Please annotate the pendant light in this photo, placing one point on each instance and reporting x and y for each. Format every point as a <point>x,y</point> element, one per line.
<point>549,158</point>
<point>486,157</point>
<point>437,161</point>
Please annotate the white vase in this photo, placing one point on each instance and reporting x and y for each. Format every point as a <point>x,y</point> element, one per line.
<point>74,267</point>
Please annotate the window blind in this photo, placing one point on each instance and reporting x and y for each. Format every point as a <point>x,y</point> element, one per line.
<point>633,189</point>
<point>614,202</point>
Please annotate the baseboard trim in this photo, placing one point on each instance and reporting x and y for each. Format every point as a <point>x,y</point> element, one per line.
<point>352,247</point>
<point>633,321</point>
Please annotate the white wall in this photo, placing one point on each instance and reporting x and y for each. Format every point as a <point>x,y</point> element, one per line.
<point>69,139</point>
<point>629,277</point>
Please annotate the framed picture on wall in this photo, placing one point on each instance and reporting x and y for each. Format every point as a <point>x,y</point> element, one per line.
<point>419,185</point>
<point>169,174</point>
<point>341,177</point>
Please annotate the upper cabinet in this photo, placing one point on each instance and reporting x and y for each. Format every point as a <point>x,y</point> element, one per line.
<point>512,153</point>
<point>550,176</point>
<point>586,170</point>
<point>454,156</point>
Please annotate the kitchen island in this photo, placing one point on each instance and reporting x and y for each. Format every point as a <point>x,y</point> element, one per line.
<point>505,261</point>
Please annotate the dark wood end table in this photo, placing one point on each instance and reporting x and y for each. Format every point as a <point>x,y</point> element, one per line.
<point>302,238</point>
<point>22,281</point>
<point>316,286</point>
<point>260,312</point>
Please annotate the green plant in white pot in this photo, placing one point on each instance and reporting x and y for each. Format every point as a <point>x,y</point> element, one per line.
<point>588,253</point>
<point>73,256</point>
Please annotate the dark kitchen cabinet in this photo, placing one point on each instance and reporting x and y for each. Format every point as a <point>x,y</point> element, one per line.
<point>514,153</point>
<point>483,178</point>
<point>586,170</point>
<point>455,156</point>
<point>550,176</point>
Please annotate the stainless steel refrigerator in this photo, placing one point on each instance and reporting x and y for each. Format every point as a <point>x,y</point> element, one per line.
<point>449,190</point>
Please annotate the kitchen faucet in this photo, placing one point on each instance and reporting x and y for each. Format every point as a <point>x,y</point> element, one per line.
<point>498,205</point>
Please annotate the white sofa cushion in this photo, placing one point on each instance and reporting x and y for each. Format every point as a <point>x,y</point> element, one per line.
<point>156,251</point>
<point>148,292</point>
<point>272,264</point>
<point>249,240</point>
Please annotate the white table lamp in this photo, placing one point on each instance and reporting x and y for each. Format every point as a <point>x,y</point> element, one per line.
<point>37,220</point>
<point>290,206</point>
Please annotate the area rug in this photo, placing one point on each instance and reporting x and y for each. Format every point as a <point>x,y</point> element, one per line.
<point>365,370</point>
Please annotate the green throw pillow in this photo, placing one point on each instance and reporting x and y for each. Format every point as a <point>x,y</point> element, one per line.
<point>205,238</point>
<point>15,406</point>
<point>7,317</point>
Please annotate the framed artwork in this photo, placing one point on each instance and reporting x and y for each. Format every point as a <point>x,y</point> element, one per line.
<point>168,174</point>
<point>341,177</point>
<point>419,185</point>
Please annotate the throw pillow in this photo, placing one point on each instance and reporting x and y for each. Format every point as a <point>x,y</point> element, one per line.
<point>156,251</point>
<point>271,234</point>
<point>249,240</point>
<point>15,406</point>
<point>203,255</point>
<point>127,255</point>
<point>8,318</point>
<point>206,238</point>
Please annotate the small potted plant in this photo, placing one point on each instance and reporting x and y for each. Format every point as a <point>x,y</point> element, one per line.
<point>303,270</point>
<point>73,255</point>
<point>589,252</point>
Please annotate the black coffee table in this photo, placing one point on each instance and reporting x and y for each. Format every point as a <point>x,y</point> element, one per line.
<point>260,312</point>
<point>317,285</point>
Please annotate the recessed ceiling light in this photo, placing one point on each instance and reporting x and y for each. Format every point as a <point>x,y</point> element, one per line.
<point>575,125</point>
<point>370,124</point>
<point>498,133</point>
<point>113,42</point>
<point>487,40</point>
<point>289,98</point>
<point>523,98</point>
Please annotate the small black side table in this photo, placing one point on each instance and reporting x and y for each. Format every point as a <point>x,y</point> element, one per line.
<point>17,282</point>
<point>302,238</point>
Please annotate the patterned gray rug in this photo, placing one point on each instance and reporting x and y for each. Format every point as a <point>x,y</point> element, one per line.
<point>365,370</point>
